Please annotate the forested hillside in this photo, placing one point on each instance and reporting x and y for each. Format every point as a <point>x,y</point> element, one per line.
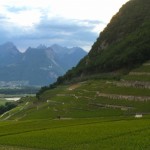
<point>123,45</point>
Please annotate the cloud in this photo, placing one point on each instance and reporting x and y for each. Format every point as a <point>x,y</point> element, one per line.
<point>50,31</point>
<point>65,22</point>
<point>15,9</point>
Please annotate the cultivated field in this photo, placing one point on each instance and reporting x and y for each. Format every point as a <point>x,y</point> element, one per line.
<point>77,134</point>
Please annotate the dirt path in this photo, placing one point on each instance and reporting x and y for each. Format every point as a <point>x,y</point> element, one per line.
<point>126,97</point>
<point>139,73</point>
<point>74,86</point>
<point>112,106</point>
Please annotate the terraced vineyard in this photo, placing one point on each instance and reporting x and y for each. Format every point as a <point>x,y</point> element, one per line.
<point>95,114</point>
<point>94,98</point>
<point>140,74</point>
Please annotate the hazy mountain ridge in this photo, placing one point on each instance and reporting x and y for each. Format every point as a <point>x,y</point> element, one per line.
<point>67,57</point>
<point>36,66</point>
<point>9,54</point>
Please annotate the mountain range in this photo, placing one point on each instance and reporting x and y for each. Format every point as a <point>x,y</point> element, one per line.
<point>36,66</point>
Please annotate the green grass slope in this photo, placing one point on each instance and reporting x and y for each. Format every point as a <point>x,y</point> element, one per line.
<point>89,134</point>
<point>95,114</point>
<point>92,98</point>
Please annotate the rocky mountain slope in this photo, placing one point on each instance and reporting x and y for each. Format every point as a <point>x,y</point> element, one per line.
<point>36,66</point>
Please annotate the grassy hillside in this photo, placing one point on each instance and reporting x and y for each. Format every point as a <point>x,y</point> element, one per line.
<point>92,98</point>
<point>95,114</point>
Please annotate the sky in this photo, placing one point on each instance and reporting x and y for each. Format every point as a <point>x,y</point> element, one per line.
<point>65,22</point>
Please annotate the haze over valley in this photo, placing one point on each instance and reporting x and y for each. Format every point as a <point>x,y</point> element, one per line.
<point>36,66</point>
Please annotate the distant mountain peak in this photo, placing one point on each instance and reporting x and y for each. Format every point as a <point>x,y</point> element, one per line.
<point>36,66</point>
<point>8,45</point>
<point>56,45</point>
<point>42,46</point>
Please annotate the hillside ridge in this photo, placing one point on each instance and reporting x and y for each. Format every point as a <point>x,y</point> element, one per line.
<point>122,45</point>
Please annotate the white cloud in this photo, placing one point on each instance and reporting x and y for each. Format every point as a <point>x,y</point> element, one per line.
<point>86,9</point>
<point>101,10</point>
<point>25,18</point>
<point>52,20</point>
